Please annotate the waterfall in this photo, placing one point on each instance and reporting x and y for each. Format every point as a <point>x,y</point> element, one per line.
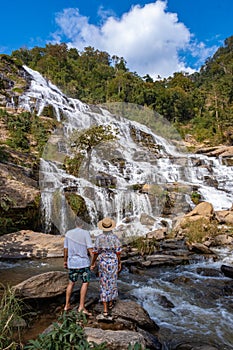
<point>112,184</point>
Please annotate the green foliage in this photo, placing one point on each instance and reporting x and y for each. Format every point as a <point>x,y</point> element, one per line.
<point>66,334</point>
<point>72,165</point>
<point>145,246</point>
<point>3,154</point>
<point>25,128</point>
<point>10,316</point>
<point>5,224</point>
<point>19,127</point>
<point>48,111</point>
<point>6,202</point>
<point>75,201</point>
<point>86,140</point>
<point>78,205</point>
<point>40,131</point>
<point>195,197</point>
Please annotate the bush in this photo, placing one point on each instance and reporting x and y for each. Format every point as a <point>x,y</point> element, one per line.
<point>198,231</point>
<point>66,334</point>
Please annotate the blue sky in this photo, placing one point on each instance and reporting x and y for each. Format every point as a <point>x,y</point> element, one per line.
<point>155,37</point>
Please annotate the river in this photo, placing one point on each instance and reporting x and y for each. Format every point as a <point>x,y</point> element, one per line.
<point>189,302</point>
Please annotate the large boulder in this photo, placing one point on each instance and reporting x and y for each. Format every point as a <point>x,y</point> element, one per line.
<point>30,244</point>
<point>203,209</point>
<point>45,285</point>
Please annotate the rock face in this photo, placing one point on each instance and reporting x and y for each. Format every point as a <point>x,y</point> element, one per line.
<point>29,244</point>
<point>45,285</point>
<point>19,194</point>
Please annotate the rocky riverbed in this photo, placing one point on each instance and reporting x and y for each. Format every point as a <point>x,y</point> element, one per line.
<point>163,293</point>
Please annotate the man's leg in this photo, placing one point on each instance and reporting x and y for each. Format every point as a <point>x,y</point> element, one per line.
<point>83,292</point>
<point>69,290</point>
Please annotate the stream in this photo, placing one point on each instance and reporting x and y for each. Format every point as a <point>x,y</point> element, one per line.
<point>189,302</point>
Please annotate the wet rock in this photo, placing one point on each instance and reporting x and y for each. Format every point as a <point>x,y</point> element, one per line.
<point>152,342</point>
<point>181,280</point>
<point>171,244</point>
<point>147,220</point>
<point>200,248</point>
<point>136,271</point>
<point>227,270</point>
<point>163,301</point>
<point>190,346</point>
<point>208,272</point>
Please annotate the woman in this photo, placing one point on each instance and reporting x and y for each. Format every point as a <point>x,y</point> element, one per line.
<point>107,248</point>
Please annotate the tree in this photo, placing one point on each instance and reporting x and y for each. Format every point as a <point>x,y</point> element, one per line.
<point>84,141</point>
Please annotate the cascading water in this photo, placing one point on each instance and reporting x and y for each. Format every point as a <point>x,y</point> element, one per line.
<point>109,183</point>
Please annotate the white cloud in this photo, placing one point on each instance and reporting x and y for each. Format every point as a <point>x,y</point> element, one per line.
<point>201,51</point>
<point>148,37</point>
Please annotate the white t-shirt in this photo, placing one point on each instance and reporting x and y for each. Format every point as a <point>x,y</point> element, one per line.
<point>78,241</point>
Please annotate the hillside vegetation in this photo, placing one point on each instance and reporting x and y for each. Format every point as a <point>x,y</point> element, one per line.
<point>200,104</point>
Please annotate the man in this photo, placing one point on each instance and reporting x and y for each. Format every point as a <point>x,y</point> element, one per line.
<point>77,245</point>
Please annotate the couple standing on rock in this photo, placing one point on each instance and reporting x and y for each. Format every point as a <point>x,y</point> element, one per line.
<point>107,248</point>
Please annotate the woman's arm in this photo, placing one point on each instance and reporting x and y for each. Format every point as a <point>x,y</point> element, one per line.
<point>119,261</point>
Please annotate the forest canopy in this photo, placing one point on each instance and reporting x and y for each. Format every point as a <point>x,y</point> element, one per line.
<point>200,104</point>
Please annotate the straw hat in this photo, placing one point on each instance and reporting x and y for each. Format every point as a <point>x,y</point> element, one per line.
<point>107,224</point>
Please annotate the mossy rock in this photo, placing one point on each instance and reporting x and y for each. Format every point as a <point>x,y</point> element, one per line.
<point>78,205</point>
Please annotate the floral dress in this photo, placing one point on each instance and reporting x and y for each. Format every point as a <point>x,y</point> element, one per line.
<point>107,246</point>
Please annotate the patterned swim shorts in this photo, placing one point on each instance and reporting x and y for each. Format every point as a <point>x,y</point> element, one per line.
<point>84,273</point>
